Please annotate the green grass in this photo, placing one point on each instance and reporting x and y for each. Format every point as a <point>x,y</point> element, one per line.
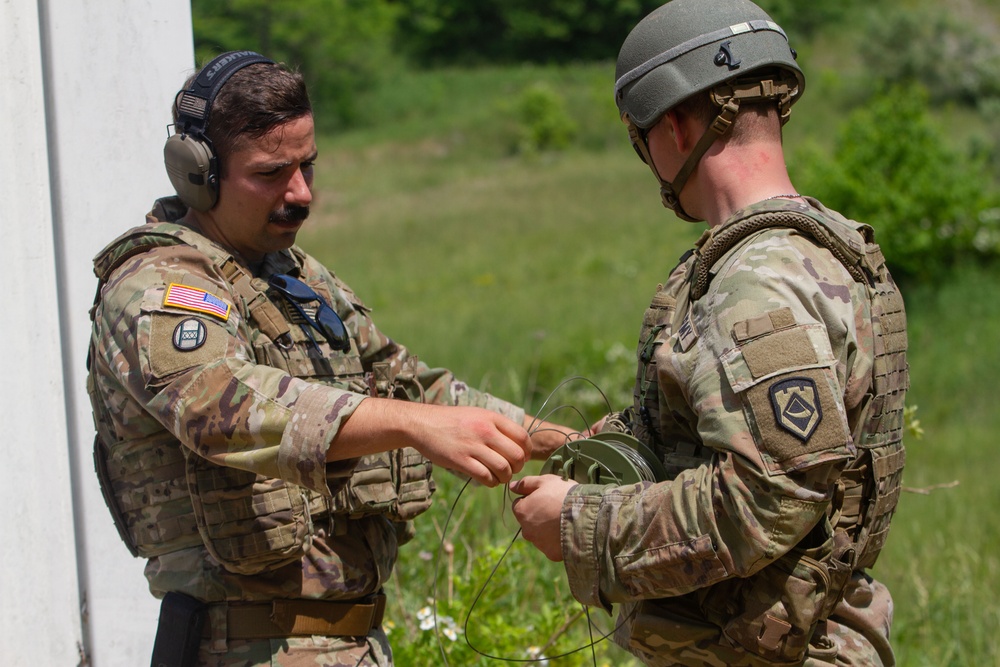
<point>943,559</point>
<point>518,271</point>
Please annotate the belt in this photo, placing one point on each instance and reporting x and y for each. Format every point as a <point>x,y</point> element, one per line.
<point>300,618</point>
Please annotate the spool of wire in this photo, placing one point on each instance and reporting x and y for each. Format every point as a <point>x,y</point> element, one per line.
<point>606,458</point>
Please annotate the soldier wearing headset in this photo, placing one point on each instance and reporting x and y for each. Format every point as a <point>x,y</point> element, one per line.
<point>259,440</point>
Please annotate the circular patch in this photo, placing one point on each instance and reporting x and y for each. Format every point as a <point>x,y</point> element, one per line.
<point>190,334</point>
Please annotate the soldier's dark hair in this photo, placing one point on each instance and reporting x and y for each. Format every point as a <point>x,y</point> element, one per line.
<point>254,101</point>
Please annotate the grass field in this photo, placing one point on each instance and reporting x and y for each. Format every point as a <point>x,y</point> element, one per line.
<point>520,270</point>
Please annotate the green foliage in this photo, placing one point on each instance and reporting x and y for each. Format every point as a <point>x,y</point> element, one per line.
<point>543,123</point>
<point>932,206</point>
<point>953,59</point>
<point>493,610</point>
<point>342,47</point>
<point>484,31</point>
<point>801,20</point>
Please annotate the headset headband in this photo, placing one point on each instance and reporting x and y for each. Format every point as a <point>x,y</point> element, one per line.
<point>195,103</point>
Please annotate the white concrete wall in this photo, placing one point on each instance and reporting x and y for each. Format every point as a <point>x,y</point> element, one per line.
<point>85,103</point>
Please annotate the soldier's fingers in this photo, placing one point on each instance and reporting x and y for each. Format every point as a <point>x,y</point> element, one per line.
<point>480,472</point>
<point>501,454</point>
<point>526,485</point>
<point>516,434</point>
<point>498,464</point>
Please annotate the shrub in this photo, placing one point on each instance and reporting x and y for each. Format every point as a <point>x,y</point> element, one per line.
<point>543,122</point>
<point>931,205</point>
<point>954,60</point>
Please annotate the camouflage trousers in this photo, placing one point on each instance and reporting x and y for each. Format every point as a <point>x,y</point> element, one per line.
<point>370,651</point>
<point>855,635</point>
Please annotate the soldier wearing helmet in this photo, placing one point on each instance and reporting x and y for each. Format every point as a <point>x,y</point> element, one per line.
<point>771,382</point>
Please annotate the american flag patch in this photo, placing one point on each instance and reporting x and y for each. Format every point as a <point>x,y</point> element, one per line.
<point>198,300</point>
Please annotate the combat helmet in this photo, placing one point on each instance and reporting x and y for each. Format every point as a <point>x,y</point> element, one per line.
<point>729,49</point>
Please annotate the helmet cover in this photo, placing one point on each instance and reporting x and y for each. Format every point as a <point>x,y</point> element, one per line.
<point>689,46</point>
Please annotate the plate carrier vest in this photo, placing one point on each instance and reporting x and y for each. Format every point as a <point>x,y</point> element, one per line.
<point>866,493</point>
<point>165,498</point>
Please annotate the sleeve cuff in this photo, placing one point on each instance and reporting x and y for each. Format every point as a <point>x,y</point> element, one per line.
<point>578,532</point>
<point>316,419</point>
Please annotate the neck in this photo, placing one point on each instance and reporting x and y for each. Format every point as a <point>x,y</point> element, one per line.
<point>205,225</point>
<point>730,177</point>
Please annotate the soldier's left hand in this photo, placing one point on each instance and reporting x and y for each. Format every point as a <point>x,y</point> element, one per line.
<point>538,511</point>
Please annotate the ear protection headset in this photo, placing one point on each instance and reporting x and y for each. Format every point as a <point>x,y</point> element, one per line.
<point>191,162</point>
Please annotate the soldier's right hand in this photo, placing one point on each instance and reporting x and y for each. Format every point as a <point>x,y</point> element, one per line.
<point>482,444</point>
<point>479,443</point>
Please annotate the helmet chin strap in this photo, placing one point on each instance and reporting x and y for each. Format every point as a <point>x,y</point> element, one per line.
<point>728,97</point>
<point>670,192</point>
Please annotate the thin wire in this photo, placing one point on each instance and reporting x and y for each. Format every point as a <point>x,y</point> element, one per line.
<point>437,565</point>
<point>541,409</point>
<point>482,590</point>
<point>444,532</point>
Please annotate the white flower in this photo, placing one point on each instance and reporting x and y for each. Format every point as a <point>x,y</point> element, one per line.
<point>535,653</point>
<point>426,618</point>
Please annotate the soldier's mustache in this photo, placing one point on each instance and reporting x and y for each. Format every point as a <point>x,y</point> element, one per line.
<point>290,213</point>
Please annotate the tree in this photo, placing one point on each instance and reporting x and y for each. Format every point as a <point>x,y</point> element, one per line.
<point>931,205</point>
<point>342,47</point>
<point>481,31</point>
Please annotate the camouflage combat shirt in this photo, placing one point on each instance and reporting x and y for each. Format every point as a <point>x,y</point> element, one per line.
<point>217,401</point>
<point>746,484</point>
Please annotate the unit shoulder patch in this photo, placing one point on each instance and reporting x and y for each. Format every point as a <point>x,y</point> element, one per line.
<point>796,406</point>
<point>190,334</point>
<point>795,420</point>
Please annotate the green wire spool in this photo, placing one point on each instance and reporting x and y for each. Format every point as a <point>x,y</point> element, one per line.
<point>606,458</point>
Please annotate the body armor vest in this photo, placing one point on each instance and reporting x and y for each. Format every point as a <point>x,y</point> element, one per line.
<point>867,492</point>
<point>164,498</point>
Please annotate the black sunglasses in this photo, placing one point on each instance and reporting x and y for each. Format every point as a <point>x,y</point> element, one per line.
<point>323,318</point>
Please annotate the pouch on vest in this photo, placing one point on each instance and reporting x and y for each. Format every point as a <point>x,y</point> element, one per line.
<point>248,522</point>
<point>396,483</point>
<point>774,613</point>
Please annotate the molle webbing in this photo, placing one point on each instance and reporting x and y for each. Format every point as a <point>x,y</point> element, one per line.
<point>719,244</point>
<point>250,523</point>
<point>891,374</point>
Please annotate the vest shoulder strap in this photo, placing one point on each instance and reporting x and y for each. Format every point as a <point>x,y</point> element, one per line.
<point>152,235</point>
<point>847,240</point>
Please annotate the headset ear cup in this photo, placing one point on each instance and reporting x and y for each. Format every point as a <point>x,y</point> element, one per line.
<point>191,169</point>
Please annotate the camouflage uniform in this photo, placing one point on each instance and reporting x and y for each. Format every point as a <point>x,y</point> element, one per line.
<point>772,388</point>
<point>193,431</point>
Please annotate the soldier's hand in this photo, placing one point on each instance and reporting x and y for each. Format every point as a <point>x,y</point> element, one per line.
<point>538,511</point>
<point>476,442</point>
<point>482,444</point>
